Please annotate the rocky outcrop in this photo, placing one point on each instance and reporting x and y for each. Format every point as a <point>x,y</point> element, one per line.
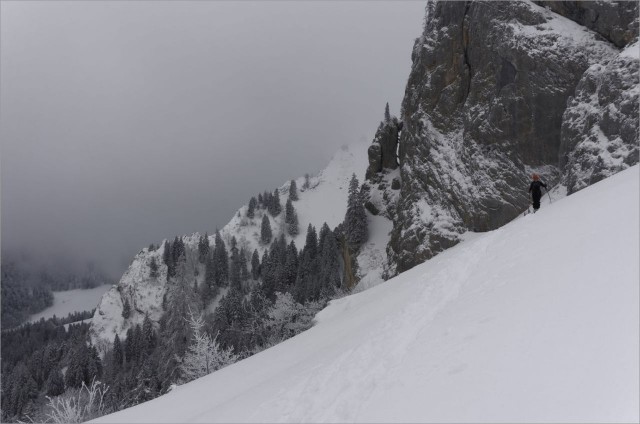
<point>600,125</point>
<point>383,150</point>
<point>616,21</point>
<point>483,108</point>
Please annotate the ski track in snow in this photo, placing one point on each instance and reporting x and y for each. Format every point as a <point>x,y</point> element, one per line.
<point>535,321</point>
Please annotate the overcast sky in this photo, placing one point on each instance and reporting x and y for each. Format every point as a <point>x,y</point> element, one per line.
<point>123,123</point>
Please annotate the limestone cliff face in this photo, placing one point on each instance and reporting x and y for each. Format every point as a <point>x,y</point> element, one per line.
<point>497,90</point>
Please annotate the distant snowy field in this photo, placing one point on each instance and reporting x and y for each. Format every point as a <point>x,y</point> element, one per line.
<point>536,321</point>
<point>66,302</point>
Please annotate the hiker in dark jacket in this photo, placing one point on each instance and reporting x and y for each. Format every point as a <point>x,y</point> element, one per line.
<point>536,191</point>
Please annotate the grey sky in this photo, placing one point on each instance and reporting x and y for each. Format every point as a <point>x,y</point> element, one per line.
<point>123,123</point>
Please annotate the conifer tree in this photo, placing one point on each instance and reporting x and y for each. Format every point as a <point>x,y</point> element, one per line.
<point>148,335</point>
<point>291,219</point>
<point>221,259</point>
<point>329,264</point>
<point>153,268</point>
<point>54,386</point>
<point>234,275</point>
<point>252,208</point>
<point>355,221</point>
<point>293,191</point>
<point>291,265</point>
<point>306,183</point>
<point>168,259</point>
<point>255,265</point>
<point>274,204</point>
<point>203,248</point>
<point>118,353</point>
<point>129,347</point>
<point>311,242</point>
<point>126,309</point>
<point>208,288</point>
<point>244,272</point>
<point>265,230</point>
<point>387,115</point>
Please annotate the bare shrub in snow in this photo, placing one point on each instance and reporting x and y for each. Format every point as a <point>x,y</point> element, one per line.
<point>79,405</point>
<point>286,317</point>
<point>204,355</point>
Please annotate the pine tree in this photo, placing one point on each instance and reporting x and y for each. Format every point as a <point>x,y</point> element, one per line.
<point>306,183</point>
<point>76,369</point>
<point>311,242</point>
<point>118,353</point>
<point>168,259</point>
<point>234,275</point>
<point>148,335</point>
<point>329,264</point>
<point>153,268</point>
<point>252,208</point>
<point>291,265</point>
<point>355,221</point>
<point>54,386</point>
<point>293,191</point>
<point>387,115</point>
<point>203,248</point>
<point>221,259</point>
<point>265,231</point>
<point>126,309</point>
<point>255,265</point>
<point>274,205</point>
<point>208,290</point>
<point>291,219</point>
<point>244,272</point>
<point>129,347</point>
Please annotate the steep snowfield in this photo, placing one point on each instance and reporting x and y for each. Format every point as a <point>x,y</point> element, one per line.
<point>536,321</point>
<point>324,201</point>
<point>66,302</point>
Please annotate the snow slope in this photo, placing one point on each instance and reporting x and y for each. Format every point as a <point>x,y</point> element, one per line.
<point>66,302</point>
<point>535,321</point>
<point>324,201</point>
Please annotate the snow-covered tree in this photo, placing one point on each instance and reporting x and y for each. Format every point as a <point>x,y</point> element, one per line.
<point>274,205</point>
<point>255,265</point>
<point>355,220</point>
<point>387,115</point>
<point>54,386</point>
<point>203,248</point>
<point>153,268</point>
<point>204,355</point>
<point>293,191</point>
<point>126,309</point>
<point>291,219</point>
<point>221,259</point>
<point>265,230</point>
<point>252,207</point>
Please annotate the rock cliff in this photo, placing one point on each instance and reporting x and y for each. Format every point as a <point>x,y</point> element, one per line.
<point>498,90</point>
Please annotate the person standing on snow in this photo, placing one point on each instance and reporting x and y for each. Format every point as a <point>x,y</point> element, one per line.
<point>536,191</point>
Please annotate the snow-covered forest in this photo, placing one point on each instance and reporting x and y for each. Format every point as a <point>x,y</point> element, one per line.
<point>420,276</point>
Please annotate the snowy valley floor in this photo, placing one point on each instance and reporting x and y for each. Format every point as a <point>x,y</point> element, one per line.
<point>536,321</point>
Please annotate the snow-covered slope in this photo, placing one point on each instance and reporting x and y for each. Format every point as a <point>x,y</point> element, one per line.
<point>69,301</point>
<point>535,321</point>
<point>324,201</point>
